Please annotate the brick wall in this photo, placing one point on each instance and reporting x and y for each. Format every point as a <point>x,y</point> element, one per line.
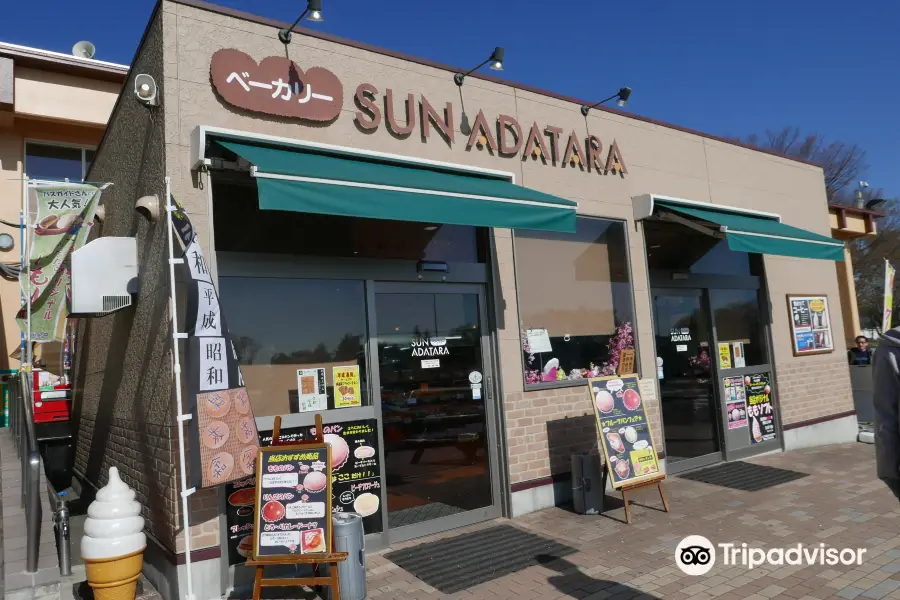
<point>545,427</point>
<point>813,387</point>
<point>143,454</point>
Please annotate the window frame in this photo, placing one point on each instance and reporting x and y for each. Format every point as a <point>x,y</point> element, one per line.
<point>84,148</point>
<point>571,383</point>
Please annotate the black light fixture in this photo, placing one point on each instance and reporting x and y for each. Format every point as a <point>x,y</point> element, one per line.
<point>622,97</point>
<point>314,9</point>
<point>496,60</point>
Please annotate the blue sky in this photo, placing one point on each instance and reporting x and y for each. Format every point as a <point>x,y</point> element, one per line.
<point>728,68</point>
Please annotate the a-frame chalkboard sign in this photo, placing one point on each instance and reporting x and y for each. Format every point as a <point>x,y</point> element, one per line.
<point>292,525</point>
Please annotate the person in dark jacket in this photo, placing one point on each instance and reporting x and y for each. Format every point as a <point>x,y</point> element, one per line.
<point>861,354</point>
<point>886,380</point>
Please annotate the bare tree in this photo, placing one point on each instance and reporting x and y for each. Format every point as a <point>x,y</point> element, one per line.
<point>844,164</point>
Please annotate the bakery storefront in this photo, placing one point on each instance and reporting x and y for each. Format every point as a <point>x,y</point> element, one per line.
<point>437,268</point>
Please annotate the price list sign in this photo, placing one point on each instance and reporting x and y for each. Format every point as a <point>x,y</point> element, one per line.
<point>625,436</point>
<point>293,501</point>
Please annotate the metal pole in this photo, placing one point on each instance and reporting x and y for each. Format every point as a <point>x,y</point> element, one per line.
<point>176,358</point>
<point>22,257</point>
<point>28,242</point>
<point>62,527</point>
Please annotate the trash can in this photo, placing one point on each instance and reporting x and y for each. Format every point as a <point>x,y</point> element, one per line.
<point>349,537</point>
<point>587,483</point>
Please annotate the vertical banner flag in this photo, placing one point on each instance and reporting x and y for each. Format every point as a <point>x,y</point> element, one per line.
<point>222,431</point>
<point>889,272</point>
<point>63,217</point>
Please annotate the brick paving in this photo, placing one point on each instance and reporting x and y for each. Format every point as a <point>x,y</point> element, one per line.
<point>840,504</point>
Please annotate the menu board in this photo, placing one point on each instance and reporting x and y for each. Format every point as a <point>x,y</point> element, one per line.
<point>355,487</point>
<point>293,501</point>
<point>624,429</point>
<point>240,499</point>
<point>356,475</point>
<point>735,402</point>
<point>810,324</point>
<point>759,408</point>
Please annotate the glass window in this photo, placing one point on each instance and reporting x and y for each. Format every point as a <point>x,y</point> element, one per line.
<point>242,227</point>
<point>280,326</point>
<point>674,247</point>
<point>46,161</point>
<point>738,323</point>
<point>575,301</point>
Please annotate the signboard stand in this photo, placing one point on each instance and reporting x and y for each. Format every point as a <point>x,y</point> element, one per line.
<point>626,489</point>
<point>625,437</point>
<point>329,557</point>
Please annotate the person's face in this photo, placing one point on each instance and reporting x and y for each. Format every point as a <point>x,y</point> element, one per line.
<point>862,343</point>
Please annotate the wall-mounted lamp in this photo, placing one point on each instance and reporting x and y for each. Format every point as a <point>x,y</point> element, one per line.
<point>622,97</point>
<point>496,60</point>
<point>314,9</point>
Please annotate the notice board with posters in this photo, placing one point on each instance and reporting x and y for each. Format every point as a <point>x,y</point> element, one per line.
<point>760,409</point>
<point>624,429</point>
<point>293,501</point>
<point>810,324</point>
<point>355,487</point>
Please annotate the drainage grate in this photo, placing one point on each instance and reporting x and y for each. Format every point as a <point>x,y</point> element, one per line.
<point>454,564</point>
<point>744,476</point>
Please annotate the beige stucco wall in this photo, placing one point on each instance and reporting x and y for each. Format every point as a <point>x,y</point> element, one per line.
<point>60,97</point>
<point>659,160</point>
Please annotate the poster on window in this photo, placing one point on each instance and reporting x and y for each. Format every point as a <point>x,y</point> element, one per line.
<point>760,409</point>
<point>346,386</point>
<point>810,324</point>
<point>624,430</point>
<point>735,402</point>
<point>312,392</point>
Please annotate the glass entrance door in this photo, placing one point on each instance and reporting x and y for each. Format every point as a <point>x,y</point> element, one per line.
<point>684,350</point>
<point>435,389</point>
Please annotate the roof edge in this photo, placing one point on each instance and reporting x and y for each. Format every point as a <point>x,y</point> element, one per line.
<point>49,60</point>
<point>238,14</point>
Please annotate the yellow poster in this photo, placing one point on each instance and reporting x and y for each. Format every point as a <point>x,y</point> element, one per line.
<point>643,461</point>
<point>725,356</point>
<point>346,387</point>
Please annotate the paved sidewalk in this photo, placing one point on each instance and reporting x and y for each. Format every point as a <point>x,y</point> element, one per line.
<point>840,504</point>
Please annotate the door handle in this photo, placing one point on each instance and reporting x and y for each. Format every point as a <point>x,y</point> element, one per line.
<point>490,388</point>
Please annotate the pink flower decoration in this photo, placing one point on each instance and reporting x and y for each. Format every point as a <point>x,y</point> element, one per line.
<point>622,340</point>
<point>292,547</point>
<point>304,497</point>
<point>300,487</point>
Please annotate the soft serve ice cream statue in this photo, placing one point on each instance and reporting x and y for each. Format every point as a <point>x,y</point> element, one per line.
<point>114,540</point>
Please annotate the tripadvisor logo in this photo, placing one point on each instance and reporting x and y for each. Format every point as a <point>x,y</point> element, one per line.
<point>696,555</point>
<point>436,346</point>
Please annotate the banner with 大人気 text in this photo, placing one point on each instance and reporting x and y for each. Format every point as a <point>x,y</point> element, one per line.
<point>62,216</point>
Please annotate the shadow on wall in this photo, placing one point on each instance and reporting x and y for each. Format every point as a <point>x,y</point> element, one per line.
<point>564,438</point>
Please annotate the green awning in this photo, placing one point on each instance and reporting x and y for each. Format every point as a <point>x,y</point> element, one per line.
<point>747,232</point>
<point>303,181</point>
